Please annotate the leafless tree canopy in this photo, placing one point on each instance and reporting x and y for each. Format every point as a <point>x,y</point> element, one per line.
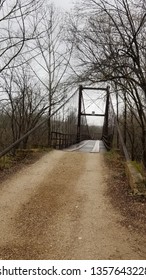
<point>111,47</point>
<point>33,63</point>
<point>42,51</point>
<point>14,28</point>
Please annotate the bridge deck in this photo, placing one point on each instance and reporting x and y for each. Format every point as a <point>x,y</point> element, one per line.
<point>89,146</point>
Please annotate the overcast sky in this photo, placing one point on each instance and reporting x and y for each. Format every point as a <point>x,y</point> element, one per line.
<point>65,4</point>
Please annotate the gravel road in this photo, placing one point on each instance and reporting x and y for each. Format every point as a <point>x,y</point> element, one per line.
<point>57,208</point>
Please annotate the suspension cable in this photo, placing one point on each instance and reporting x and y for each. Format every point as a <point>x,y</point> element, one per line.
<point>120,134</point>
<point>85,117</point>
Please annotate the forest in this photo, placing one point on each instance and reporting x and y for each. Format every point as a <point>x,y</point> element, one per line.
<point>45,53</point>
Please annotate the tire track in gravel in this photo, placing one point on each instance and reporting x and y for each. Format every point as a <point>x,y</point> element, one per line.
<point>33,229</point>
<point>58,208</point>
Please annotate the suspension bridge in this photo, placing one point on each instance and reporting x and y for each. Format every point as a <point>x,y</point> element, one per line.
<point>59,206</point>
<point>68,124</point>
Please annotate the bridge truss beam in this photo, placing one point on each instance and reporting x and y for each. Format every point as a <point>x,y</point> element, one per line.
<point>80,113</point>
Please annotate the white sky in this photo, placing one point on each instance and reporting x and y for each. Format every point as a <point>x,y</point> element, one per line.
<point>65,4</point>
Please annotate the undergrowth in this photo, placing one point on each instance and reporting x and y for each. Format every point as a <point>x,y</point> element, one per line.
<point>139,167</point>
<point>114,159</point>
<point>21,156</point>
<point>132,208</point>
<point>6,162</point>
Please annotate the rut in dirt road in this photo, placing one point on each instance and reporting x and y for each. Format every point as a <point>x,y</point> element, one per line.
<point>57,208</point>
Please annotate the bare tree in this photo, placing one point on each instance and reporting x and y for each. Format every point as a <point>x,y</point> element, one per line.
<point>51,56</point>
<point>110,46</point>
<point>24,103</point>
<point>110,40</point>
<point>14,28</point>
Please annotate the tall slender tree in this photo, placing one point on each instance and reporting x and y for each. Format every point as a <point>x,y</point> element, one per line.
<point>51,56</point>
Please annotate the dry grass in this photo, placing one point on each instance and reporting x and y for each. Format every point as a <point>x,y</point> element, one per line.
<point>133,208</point>
<point>11,164</point>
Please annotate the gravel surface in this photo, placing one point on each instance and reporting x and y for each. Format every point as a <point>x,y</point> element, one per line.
<point>59,208</point>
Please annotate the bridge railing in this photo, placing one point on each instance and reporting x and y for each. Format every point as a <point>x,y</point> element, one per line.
<point>61,141</point>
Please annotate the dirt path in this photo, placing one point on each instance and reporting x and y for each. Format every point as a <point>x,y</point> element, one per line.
<point>57,208</point>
